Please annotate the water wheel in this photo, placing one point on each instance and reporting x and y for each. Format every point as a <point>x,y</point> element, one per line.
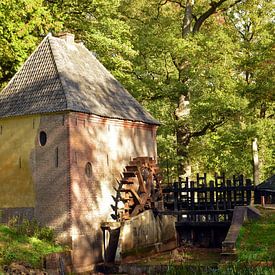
<point>138,190</point>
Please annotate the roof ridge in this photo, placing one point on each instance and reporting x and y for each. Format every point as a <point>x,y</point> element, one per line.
<point>55,59</point>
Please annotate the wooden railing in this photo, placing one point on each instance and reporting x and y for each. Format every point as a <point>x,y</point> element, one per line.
<point>199,201</point>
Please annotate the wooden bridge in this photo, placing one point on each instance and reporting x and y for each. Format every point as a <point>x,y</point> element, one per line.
<point>206,205</point>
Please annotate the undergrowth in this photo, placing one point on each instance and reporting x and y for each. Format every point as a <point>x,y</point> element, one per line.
<point>26,243</point>
<point>230,269</point>
<point>256,241</point>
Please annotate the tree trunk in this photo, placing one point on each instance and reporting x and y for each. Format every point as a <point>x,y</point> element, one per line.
<point>183,110</point>
<point>256,174</point>
<point>187,19</point>
<point>183,136</point>
<point>255,159</point>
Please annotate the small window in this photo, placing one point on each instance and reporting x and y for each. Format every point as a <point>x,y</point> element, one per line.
<point>43,138</point>
<point>88,170</point>
<point>56,157</point>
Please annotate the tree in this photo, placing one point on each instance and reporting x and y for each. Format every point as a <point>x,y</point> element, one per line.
<point>23,23</point>
<point>203,68</point>
<point>254,22</point>
<point>190,71</point>
<point>181,59</point>
<point>98,24</point>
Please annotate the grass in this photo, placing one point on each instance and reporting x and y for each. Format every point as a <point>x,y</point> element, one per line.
<point>256,242</point>
<point>231,269</point>
<point>26,248</point>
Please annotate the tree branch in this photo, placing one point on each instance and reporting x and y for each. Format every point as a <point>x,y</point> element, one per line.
<point>230,6</point>
<point>204,16</point>
<point>210,126</point>
<point>172,1</point>
<point>238,30</point>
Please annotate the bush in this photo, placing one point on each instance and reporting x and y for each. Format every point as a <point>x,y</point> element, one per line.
<point>26,243</point>
<point>31,228</point>
<point>45,233</point>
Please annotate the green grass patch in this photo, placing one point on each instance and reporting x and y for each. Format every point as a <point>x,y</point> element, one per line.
<point>256,242</point>
<point>230,269</point>
<point>26,243</point>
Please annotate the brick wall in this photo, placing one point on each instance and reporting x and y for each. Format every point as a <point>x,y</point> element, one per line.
<point>67,196</point>
<point>108,144</point>
<point>50,165</point>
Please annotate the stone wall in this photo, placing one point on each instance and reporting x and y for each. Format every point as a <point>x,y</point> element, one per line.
<point>107,145</point>
<point>146,233</point>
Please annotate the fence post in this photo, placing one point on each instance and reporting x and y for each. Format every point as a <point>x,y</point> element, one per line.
<point>242,189</point>
<point>192,197</point>
<point>235,190</point>
<point>224,197</point>
<point>229,197</point>
<point>248,191</point>
<point>176,194</point>
<point>212,199</point>
<point>180,201</point>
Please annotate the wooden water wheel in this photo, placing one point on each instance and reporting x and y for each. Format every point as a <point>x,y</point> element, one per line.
<point>138,190</point>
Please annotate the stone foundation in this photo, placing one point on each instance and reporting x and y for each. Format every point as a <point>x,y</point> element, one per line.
<point>146,234</point>
<point>20,212</point>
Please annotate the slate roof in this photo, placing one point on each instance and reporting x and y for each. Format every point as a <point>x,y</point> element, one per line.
<point>267,185</point>
<point>65,76</point>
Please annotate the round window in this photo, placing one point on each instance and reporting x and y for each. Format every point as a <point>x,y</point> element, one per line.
<point>88,170</point>
<point>43,138</point>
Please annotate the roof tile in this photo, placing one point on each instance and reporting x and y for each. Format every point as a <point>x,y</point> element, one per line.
<point>65,76</point>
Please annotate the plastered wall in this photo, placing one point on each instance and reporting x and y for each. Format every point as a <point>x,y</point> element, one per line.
<point>17,140</point>
<point>34,179</point>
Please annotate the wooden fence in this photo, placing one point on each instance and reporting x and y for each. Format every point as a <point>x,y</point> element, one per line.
<point>199,201</point>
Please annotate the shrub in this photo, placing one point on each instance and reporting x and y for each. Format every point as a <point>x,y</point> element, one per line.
<point>31,228</point>
<point>45,233</point>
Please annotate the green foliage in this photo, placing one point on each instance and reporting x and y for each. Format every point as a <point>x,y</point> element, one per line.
<point>26,243</point>
<point>100,26</point>
<point>31,228</point>
<point>210,65</point>
<point>228,150</point>
<point>224,67</point>
<point>22,23</point>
